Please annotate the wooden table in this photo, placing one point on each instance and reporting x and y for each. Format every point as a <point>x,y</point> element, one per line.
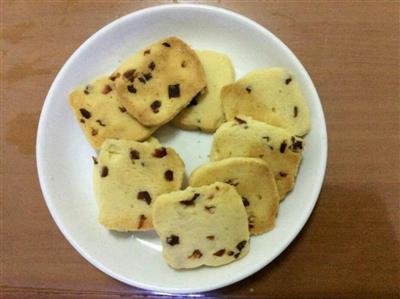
<point>350,245</point>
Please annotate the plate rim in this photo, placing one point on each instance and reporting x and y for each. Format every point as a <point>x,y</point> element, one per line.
<point>42,177</point>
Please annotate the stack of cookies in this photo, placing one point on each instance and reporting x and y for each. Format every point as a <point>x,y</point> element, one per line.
<point>258,124</point>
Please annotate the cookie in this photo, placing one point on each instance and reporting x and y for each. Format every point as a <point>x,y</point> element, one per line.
<point>205,112</point>
<point>128,176</point>
<point>158,82</point>
<point>269,95</point>
<point>202,226</point>
<point>245,137</point>
<point>261,200</point>
<point>101,116</point>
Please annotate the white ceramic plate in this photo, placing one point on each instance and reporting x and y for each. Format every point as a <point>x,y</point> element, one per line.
<point>64,156</point>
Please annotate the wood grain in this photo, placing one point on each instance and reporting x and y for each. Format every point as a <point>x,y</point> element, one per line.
<point>350,246</point>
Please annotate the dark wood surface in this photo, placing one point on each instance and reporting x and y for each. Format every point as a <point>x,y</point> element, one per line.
<point>349,247</point>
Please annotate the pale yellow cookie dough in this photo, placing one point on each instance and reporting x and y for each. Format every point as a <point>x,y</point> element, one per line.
<point>202,226</point>
<point>128,176</point>
<point>205,111</point>
<point>245,137</point>
<point>269,95</point>
<point>159,81</point>
<point>101,116</point>
<point>254,182</point>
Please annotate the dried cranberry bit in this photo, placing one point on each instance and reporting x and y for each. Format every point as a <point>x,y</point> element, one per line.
<point>283,147</point>
<point>122,109</point>
<point>147,76</point>
<point>100,122</point>
<point>174,91</point>
<point>210,237</point>
<point>295,111</point>
<point>219,252</point>
<point>87,89</point>
<point>241,245</point>
<point>196,254</point>
<point>160,152</point>
<point>232,182</point>
<point>248,89</point>
<point>106,89</point>
<point>114,76</point>
<point>165,44</point>
<point>189,202</point>
<point>155,106</point>
<point>297,146</point>
<point>172,240</point>
<point>210,209</point>
<point>94,132</point>
<point>85,113</point>
<point>169,175</point>
<point>131,88</point>
<point>288,80</point>
<point>145,196</point>
<point>152,65</point>
<point>104,171</point>
<point>95,160</point>
<point>142,219</point>
<point>245,201</point>
<point>147,52</point>
<point>283,174</point>
<point>134,154</point>
<point>130,75</point>
<point>240,121</point>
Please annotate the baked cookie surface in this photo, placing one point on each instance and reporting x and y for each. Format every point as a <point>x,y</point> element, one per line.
<point>245,137</point>
<point>101,116</point>
<point>202,226</point>
<point>253,181</point>
<point>128,176</point>
<point>269,95</point>
<point>159,81</point>
<point>205,112</point>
